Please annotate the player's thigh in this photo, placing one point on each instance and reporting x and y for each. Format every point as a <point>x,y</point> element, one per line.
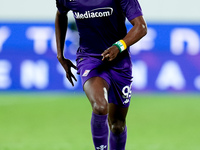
<point>96,90</point>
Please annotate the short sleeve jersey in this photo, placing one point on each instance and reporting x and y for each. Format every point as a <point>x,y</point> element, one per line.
<point>100,23</point>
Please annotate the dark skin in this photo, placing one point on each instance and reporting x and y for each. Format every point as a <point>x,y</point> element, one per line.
<point>96,88</point>
<point>61,23</point>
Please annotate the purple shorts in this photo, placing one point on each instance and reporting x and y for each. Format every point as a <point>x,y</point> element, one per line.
<point>118,74</point>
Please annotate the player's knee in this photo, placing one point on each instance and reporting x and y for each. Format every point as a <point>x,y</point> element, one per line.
<point>117,127</point>
<point>100,107</point>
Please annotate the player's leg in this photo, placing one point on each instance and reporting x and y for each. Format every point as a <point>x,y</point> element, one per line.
<point>96,90</point>
<point>118,129</point>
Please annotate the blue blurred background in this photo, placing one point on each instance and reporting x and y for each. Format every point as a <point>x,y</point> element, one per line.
<point>167,59</point>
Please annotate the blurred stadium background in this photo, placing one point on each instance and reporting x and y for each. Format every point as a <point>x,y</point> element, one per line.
<point>39,110</point>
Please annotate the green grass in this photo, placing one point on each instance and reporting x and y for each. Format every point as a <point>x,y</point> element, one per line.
<point>57,121</point>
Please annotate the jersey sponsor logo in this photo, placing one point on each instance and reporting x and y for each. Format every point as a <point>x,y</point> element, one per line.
<point>102,147</point>
<point>94,13</point>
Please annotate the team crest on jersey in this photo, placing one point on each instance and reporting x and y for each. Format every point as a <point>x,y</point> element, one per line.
<point>86,73</point>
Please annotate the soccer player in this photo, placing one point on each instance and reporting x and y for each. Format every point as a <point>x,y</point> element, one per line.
<point>103,61</point>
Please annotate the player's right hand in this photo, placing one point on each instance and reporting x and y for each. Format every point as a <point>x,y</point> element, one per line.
<point>67,64</point>
<point>110,53</point>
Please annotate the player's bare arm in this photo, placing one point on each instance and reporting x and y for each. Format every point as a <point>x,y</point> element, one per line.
<point>138,31</point>
<point>61,23</point>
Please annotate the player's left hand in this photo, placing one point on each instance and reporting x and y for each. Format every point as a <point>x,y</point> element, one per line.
<point>110,53</point>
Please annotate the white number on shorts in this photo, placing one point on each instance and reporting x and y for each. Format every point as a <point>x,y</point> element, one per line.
<point>126,91</point>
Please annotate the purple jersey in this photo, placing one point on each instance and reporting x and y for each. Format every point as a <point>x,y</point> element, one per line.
<point>100,22</point>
